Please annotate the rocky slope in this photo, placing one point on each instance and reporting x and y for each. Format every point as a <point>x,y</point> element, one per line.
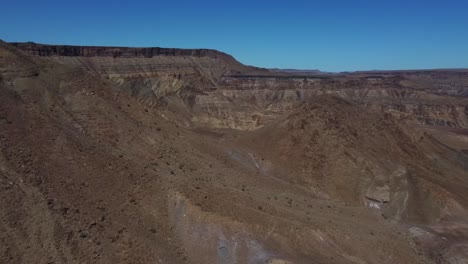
<point>342,152</point>
<point>361,157</point>
<point>94,170</point>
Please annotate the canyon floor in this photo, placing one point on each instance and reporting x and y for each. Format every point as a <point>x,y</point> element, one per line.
<point>150,155</point>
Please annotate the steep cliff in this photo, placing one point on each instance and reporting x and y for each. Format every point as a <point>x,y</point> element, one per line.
<point>212,89</point>
<point>268,97</point>
<point>148,73</point>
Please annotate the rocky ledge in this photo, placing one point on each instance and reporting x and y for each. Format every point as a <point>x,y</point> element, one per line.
<point>102,51</point>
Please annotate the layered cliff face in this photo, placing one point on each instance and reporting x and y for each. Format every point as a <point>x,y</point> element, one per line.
<point>383,93</point>
<point>213,89</point>
<point>147,73</point>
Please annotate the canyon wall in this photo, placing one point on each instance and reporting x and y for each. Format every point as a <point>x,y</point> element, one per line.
<point>213,89</point>
<point>276,95</point>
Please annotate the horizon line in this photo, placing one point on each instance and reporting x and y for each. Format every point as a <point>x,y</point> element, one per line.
<point>268,68</point>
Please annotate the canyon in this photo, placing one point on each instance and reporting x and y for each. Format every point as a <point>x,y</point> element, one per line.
<point>219,91</point>
<point>138,155</point>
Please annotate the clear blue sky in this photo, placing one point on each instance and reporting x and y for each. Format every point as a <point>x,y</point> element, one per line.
<point>328,35</point>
